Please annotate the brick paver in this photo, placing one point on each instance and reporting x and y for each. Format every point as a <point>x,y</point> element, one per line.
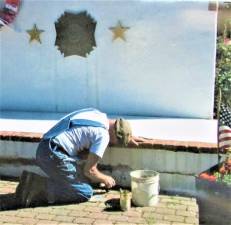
<point>172,210</point>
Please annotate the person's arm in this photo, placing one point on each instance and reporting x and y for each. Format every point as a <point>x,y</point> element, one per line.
<point>90,170</point>
<point>140,141</point>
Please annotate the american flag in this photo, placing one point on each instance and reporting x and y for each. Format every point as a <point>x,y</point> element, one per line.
<point>224,137</point>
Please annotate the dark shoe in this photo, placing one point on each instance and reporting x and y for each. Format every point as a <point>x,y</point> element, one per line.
<point>8,201</point>
<point>21,186</point>
<point>31,190</point>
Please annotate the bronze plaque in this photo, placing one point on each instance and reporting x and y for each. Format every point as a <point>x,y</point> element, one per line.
<point>75,34</point>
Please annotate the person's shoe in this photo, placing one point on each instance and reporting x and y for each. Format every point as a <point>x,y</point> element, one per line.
<point>8,202</point>
<point>21,188</point>
<point>38,191</point>
<point>31,190</point>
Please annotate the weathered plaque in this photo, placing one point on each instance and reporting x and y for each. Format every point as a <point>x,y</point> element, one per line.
<point>75,34</point>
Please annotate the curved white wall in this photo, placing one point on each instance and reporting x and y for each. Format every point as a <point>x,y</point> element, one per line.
<point>166,67</point>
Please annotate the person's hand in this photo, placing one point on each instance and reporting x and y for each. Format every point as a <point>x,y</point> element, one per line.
<point>133,142</point>
<point>139,141</point>
<point>109,182</point>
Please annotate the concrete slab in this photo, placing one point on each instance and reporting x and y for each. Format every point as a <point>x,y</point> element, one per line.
<point>176,129</point>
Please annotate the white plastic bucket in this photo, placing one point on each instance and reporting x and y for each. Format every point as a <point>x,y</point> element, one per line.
<point>145,187</point>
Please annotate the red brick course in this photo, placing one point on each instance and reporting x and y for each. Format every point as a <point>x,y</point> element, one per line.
<point>198,147</point>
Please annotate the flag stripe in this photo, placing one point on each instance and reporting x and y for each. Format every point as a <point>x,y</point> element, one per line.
<point>225,128</point>
<point>224,137</point>
<point>225,146</point>
<point>226,142</point>
<point>225,132</point>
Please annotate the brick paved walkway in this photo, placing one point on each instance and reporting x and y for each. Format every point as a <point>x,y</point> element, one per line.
<point>170,210</point>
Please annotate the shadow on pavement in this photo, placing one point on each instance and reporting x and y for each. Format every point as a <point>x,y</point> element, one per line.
<point>112,205</point>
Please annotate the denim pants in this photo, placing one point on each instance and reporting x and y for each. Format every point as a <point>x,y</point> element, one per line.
<point>63,183</point>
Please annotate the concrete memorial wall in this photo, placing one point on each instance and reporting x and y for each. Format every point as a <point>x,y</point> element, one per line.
<point>144,58</point>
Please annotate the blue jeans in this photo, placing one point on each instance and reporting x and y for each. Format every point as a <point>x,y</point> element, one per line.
<point>63,181</point>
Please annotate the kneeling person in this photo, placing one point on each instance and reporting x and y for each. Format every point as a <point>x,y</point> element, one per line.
<point>58,152</point>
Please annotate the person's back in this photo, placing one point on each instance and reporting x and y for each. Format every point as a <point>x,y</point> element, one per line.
<point>77,139</point>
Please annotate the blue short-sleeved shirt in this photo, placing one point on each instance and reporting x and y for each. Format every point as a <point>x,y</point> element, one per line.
<point>76,139</point>
<point>84,135</point>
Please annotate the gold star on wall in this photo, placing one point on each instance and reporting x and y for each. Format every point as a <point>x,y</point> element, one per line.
<point>119,31</point>
<point>35,34</point>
